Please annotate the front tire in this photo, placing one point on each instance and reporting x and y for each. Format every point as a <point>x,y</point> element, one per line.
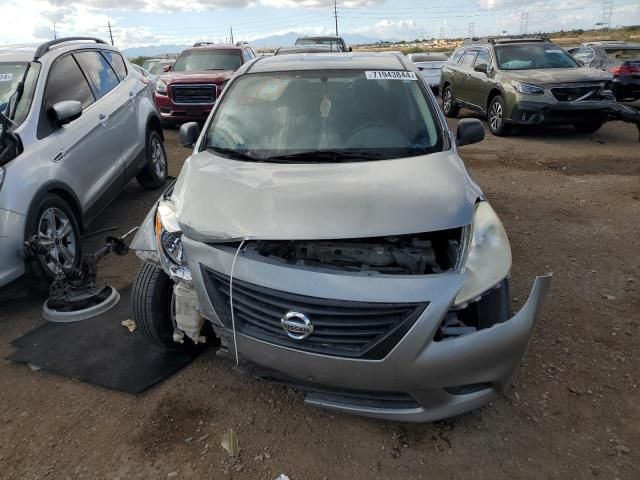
<point>151,308</point>
<point>52,221</point>
<point>154,173</point>
<point>589,127</point>
<point>496,117</point>
<point>449,105</point>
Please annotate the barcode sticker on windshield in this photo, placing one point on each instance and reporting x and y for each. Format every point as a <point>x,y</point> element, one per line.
<point>6,77</point>
<point>390,75</point>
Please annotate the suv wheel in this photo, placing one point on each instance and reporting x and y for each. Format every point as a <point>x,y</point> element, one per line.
<point>496,117</point>
<point>154,174</point>
<point>449,105</point>
<point>152,306</point>
<point>588,127</point>
<point>53,221</point>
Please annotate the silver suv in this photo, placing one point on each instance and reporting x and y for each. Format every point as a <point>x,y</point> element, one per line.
<point>78,122</point>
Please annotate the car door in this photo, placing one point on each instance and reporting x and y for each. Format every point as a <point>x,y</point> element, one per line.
<point>478,84</point>
<point>90,159</point>
<point>455,74</point>
<point>130,91</point>
<point>462,91</point>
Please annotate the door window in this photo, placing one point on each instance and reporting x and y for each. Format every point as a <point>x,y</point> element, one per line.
<point>246,55</point>
<point>468,59</point>
<point>66,82</point>
<point>483,58</point>
<point>457,55</point>
<point>116,61</point>
<point>585,55</point>
<point>102,76</point>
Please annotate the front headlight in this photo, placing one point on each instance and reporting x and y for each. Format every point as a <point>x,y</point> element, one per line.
<point>527,88</point>
<point>169,242</point>
<point>161,87</point>
<point>489,259</point>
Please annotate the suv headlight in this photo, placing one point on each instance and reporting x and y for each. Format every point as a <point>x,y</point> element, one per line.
<point>169,242</point>
<point>489,259</point>
<point>527,88</point>
<point>161,87</point>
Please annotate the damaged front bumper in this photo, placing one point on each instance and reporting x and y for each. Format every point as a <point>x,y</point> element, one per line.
<point>417,377</point>
<point>559,113</point>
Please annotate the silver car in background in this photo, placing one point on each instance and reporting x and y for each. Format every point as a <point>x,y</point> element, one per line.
<point>430,66</point>
<point>326,231</point>
<point>77,124</point>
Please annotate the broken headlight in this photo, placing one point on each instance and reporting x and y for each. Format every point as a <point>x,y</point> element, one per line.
<point>169,241</point>
<point>489,259</point>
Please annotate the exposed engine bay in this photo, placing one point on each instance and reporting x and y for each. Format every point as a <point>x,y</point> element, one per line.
<point>415,254</point>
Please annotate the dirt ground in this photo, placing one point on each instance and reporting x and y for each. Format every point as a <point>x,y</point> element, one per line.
<point>571,205</point>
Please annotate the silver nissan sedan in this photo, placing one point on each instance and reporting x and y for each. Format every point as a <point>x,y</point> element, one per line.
<point>326,234</point>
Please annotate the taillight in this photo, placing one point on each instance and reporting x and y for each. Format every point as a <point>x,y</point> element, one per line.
<point>624,70</point>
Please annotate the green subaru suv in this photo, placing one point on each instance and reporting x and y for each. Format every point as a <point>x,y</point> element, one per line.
<point>524,81</point>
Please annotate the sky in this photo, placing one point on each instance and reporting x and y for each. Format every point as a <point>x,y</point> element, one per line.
<point>160,22</point>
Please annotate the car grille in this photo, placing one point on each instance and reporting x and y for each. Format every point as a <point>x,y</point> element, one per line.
<point>572,94</point>
<point>194,94</point>
<point>340,328</point>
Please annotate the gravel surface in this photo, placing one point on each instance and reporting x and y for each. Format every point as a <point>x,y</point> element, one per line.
<point>571,205</point>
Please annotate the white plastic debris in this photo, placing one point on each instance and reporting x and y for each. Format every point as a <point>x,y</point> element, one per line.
<point>230,443</point>
<point>282,476</point>
<point>130,325</point>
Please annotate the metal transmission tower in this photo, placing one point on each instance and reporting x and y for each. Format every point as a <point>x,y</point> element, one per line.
<point>607,12</point>
<point>440,32</point>
<point>524,23</point>
<point>472,28</point>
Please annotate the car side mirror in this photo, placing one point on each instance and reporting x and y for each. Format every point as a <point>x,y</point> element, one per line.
<point>470,130</point>
<point>166,68</point>
<point>482,68</point>
<point>189,133</point>
<point>350,49</point>
<point>66,111</point>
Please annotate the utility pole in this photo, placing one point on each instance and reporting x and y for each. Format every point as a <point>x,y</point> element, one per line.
<point>231,35</point>
<point>110,32</point>
<point>472,27</point>
<point>55,35</point>
<point>335,14</point>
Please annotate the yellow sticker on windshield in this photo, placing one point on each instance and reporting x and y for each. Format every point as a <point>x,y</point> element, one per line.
<point>390,75</point>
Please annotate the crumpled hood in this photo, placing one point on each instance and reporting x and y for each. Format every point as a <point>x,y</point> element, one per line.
<point>219,199</point>
<point>211,76</point>
<point>545,76</point>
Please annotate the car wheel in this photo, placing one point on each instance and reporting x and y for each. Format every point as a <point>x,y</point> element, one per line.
<point>449,105</point>
<point>52,221</point>
<point>496,117</point>
<point>154,174</point>
<point>152,307</point>
<point>588,127</point>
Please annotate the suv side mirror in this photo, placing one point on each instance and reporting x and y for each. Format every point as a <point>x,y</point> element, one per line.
<point>189,133</point>
<point>166,68</point>
<point>350,49</point>
<point>470,130</point>
<point>481,67</point>
<point>66,111</point>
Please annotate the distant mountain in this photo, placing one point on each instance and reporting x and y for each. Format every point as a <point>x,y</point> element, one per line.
<point>273,41</point>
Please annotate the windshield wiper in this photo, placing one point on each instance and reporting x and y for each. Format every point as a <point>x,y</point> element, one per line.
<point>234,154</point>
<point>320,156</point>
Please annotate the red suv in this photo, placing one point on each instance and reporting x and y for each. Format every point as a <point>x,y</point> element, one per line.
<point>189,89</point>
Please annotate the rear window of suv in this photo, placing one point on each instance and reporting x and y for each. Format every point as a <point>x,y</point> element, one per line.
<point>623,53</point>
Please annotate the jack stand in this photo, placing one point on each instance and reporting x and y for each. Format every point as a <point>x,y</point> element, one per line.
<point>74,295</point>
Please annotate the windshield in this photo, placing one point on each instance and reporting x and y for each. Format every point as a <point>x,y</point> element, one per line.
<point>17,84</point>
<point>533,56</point>
<point>207,60</point>
<point>324,116</point>
<point>318,41</point>
<point>623,53</point>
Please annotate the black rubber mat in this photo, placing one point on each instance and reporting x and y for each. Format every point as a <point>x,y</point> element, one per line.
<point>100,351</point>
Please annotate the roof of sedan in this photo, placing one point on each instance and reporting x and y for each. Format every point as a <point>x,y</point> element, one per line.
<point>329,61</point>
